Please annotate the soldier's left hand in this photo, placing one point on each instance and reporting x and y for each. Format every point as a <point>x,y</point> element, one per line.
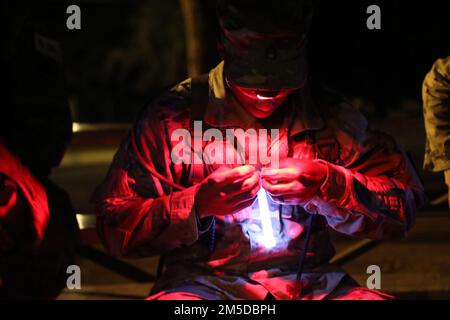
<point>295,182</point>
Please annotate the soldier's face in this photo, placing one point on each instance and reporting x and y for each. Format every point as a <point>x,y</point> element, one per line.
<point>260,103</point>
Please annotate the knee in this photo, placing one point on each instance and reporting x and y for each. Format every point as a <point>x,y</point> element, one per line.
<point>163,295</point>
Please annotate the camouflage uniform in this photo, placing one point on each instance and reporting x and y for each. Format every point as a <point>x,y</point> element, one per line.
<point>436,110</point>
<point>371,191</point>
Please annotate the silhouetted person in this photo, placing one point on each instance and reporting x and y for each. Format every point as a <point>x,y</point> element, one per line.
<point>38,229</point>
<point>436,110</point>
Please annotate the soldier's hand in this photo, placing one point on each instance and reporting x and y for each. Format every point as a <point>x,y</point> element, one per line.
<point>295,182</point>
<point>227,191</point>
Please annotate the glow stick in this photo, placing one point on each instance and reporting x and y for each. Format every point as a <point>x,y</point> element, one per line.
<point>263,204</point>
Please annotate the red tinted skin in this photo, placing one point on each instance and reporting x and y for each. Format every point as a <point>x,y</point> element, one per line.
<point>260,103</point>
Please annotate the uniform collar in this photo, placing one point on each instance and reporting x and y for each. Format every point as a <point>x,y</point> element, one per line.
<point>224,111</point>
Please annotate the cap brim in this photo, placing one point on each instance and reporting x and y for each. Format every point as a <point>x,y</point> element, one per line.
<point>273,75</point>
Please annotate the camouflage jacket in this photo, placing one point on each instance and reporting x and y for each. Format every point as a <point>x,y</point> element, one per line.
<point>436,111</point>
<point>371,191</point>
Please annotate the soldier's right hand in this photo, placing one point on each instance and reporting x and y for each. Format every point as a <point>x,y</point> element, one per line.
<point>227,191</point>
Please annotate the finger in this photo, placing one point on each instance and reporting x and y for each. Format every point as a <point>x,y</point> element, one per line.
<point>244,186</point>
<point>282,188</point>
<point>283,174</point>
<point>245,196</point>
<point>294,188</point>
<point>252,181</point>
<point>235,174</point>
<point>284,163</point>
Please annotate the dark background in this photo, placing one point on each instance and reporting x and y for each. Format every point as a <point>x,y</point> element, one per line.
<point>128,51</point>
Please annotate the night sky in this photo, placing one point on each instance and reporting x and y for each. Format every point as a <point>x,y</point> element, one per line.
<point>127,52</point>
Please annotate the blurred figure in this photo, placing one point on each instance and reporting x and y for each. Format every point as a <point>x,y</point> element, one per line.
<point>221,240</point>
<point>436,111</point>
<point>38,229</point>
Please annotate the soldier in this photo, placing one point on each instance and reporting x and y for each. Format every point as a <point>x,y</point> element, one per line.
<point>204,217</point>
<point>436,111</point>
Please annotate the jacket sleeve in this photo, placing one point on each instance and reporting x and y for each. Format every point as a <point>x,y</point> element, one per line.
<point>137,214</point>
<point>9,207</point>
<point>436,111</point>
<point>375,192</point>
<point>24,211</point>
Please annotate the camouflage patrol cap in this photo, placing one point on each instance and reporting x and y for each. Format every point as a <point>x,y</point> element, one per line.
<point>264,42</point>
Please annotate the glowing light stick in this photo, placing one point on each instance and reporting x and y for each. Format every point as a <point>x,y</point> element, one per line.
<point>264,212</point>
